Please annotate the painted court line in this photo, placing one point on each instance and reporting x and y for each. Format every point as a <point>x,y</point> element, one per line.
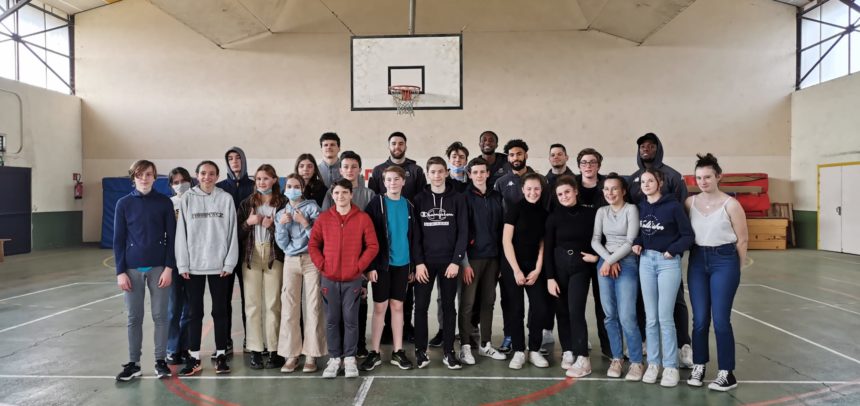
<point>59,313</point>
<point>362,392</point>
<point>840,281</point>
<point>40,291</point>
<point>395,377</point>
<point>805,298</point>
<point>823,347</point>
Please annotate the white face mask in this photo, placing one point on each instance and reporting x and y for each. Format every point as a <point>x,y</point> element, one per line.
<point>181,188</point>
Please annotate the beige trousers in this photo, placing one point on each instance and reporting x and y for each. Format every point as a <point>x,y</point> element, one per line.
<point>262,299</point>
<point>301,295</point>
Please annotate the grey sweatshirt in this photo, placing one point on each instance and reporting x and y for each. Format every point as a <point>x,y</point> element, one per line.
<point>361,196</point>
<point>620,230</point>
<point>206,241</point>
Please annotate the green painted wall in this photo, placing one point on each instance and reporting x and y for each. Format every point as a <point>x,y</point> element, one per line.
<point>806,228</point>
<point>57,229</point>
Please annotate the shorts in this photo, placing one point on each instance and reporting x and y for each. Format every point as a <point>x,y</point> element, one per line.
<point>391,284</point>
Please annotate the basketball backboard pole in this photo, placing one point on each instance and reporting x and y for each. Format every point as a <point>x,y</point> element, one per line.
<point>411,27</point>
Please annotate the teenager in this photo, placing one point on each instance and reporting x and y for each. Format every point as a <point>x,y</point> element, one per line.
<point>394,220</point>
<point>342,245</point>
<point>482,274</point>
<point>458,156</point>
<point>177,319</point>
<point>239,185</point>
<point>569,266</point>
<point>263,267</point>
<point>664,235</point>
<point>301,281</point>
<point>714,273</point>
<point>315,188</point>
<point>329,165</point>
<point>144,230</point>
<point>523,243</point>
<point>615,228</point>
<point>439,245</point>
<point>207,251</point>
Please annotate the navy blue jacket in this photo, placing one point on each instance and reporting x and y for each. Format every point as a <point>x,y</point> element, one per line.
<point>144,227</point>
<point>376,210</point>
<point>664,226</point>
<point>486,219</point>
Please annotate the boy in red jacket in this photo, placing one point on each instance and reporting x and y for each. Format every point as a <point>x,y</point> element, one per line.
<point>342,245</point>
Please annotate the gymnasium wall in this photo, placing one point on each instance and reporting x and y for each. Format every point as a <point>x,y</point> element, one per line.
<point>51,130</point>
<point>717,78</point>
<point>824,129</point>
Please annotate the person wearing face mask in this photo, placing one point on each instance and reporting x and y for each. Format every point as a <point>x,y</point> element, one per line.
<point>177,319</point>
<point>144,230</point>
<point>301,278</point>
<point>458,156</point>
<point>262,268</point>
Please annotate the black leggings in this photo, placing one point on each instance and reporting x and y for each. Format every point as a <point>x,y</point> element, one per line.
<point>423,292</point>
<point>570,309</point>
<point>220,294</point>
<point>514,309</point>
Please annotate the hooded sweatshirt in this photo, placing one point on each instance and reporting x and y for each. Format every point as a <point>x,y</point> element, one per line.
<point>143,231</point>
<point>415,180</point>
<point>673,182</point>
<point>292,237</point>
<point>664,226</point>
<point>206,233</point>
<point>238,187</point>
<point>343,246</point>
<point>443,227</point>
<point>376,210</point>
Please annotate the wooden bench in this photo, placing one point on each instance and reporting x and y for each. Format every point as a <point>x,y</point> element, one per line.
<point>2,243</point>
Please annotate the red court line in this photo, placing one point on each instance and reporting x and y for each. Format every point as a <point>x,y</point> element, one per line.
<point>168,383</point>
<point>535,396</point>
<point>181,386</point>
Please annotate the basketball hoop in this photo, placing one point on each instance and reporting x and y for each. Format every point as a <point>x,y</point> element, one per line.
<point>404,97</point>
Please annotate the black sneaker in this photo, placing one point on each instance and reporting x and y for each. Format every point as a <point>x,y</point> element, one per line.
<point>175,359</point>
<point>372,360</point>
<point>228,351</point>
<point>192,366</point>
<point>505,348</point>
<point>436,341</point>
<point>129,372</point>
<point>543,351</point>
<point>275,360</point>
<point>221,366</point>
<point>725,381</point>
<point>451,361</point>
<point>361,352</point>
<point>421,358</point>
<point>400,359</point>
<point>697,376</point>
<point>162,370</point>
<point>256,360</point>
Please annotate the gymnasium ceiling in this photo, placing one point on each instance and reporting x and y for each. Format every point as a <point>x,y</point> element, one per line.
<point>225,22</point>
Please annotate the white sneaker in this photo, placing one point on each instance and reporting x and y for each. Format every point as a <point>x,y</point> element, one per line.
<point>670,378</point>
<point>547,338</point>
<point>331,368</point>
<point>518,360</point>
<point>614,370</point>
<point>566,360</point>
<point>651,373</point>
<point>350,369</point>
<point>488,351</point>
<point>685,356</point>
<point>634,372</point>
<point>538,360</point>
<point>580,368</point>
<point>466,356</point>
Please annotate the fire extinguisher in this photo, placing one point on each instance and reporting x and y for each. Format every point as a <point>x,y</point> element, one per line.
<point>79,186</point>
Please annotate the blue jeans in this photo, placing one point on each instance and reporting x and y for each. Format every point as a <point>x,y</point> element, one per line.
<point>660,279</point>
<point>177,316</point>
<point>713,277</point>
<point>618,297</point>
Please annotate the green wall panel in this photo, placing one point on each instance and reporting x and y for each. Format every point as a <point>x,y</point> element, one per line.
<point>806,227</point>
<point>57,229</point>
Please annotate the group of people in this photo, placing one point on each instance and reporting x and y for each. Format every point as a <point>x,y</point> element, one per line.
<point>307,257</point>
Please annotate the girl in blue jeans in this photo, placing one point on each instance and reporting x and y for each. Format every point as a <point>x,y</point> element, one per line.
<point>618,275</point>
<point>664,234</point>
<point>714,272</point>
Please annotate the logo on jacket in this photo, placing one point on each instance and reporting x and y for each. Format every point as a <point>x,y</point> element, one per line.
<point>207,215</point>
<point>436,216</point>
<point>650,225</point>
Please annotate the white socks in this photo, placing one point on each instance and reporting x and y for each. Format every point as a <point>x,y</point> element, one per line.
<point>194,354</point>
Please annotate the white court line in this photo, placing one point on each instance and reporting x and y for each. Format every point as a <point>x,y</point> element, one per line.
<point>828,349</point>
<point>804,298</point>
<point>59,313</point>
<point>40,291</point>
<point>362,391</point>
<point>841,281</point>
<point>395,377</point>
<point>839,293</point>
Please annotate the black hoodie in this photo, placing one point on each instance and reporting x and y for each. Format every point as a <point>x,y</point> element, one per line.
<point>239,187</point>
<point>486,218</point>
<point>415,180</point>
<point>673,182</point>
<point>443,227</point>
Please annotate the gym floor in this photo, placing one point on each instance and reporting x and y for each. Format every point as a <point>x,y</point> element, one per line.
<point>63,338</point>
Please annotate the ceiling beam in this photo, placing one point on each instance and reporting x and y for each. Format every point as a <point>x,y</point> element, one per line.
<point>15,7</point>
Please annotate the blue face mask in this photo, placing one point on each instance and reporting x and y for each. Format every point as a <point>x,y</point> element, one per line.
<point>293,194</point>
<point>457,170</point>
<point>265,192</point>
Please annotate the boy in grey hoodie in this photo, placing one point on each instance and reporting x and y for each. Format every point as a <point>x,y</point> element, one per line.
<point>207,249</point>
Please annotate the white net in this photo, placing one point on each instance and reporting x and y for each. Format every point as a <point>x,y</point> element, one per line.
<point>404,98</point>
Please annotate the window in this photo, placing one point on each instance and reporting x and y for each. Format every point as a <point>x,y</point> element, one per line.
<point>828,41</point>
<point>35,45</point>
